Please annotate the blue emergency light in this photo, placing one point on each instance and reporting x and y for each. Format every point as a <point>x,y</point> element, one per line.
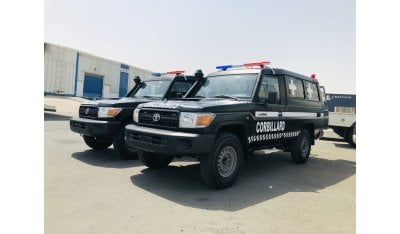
<point>168,73</point>
<point>256,64</point>
<point>156,74</point>
<point>224,67</point>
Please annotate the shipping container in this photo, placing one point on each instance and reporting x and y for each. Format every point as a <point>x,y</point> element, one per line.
<point>343,103</point>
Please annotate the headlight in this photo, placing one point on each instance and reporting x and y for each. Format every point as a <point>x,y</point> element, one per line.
<point>108,112</point>
<point>136,115</point>
<point>195,120</point>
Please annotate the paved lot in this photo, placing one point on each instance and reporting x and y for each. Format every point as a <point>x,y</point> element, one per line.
<point>89,191</point>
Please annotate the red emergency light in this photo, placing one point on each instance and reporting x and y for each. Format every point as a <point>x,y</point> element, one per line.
<point>313,76</point>
<point>261,64</point>
<point>247,65</point>
<point>175,72</point>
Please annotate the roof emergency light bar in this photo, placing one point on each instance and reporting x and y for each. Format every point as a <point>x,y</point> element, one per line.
<point>168,73</point>
<point>256,64</point>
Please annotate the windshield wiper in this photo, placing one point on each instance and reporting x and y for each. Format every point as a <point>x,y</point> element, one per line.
<point>226,96</point>
<point>198,96</point>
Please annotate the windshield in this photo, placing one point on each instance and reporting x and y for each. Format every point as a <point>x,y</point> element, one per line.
<point>156,88</point>
<point>238,85</point>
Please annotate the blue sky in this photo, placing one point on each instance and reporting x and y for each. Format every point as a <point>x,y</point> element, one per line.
<point>308,36</point>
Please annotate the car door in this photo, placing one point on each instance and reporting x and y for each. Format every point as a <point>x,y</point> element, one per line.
<point>270,102</point>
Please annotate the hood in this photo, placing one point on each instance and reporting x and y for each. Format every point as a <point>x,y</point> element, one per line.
<point>204,105</point>
<point>121,102</point>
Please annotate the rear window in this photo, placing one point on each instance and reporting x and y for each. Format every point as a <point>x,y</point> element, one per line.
<point>322,92</point>
<point>311,91</point>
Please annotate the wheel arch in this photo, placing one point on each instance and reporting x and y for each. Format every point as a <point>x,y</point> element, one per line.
<point>238,129</point>
<point>310,128</point>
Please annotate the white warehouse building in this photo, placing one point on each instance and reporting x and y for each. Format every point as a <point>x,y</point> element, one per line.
<point>71,72</point>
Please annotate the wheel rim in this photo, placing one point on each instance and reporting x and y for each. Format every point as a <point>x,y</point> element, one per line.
<point>304,147</point>
<point>227,160</point>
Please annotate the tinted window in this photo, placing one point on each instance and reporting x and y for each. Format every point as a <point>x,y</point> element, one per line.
<point>178,89</point>
<point>269,90</point>
<point>295,88</point>
<point>322,92</point>
<point>311,91</point>
<point>181,87</point>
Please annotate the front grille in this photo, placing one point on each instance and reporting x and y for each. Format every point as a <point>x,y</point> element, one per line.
<point>168,119</point>
<point>88,111</point>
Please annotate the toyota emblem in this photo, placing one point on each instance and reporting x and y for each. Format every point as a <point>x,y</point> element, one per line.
<point>156,117</point>
<point>87,111</point>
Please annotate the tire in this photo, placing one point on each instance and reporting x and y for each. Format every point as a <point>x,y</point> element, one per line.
<point>351,136</point>
<point>220,168</point>
<point>320,134</point>
<point>154,161</point>
<point>97,143</point>
<point>121,147</point>
<point>301,147</point>
<point>340,131</point>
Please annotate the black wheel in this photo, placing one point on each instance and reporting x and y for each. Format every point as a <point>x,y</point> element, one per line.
<point>340,131</point>
<point>351,136</point>
<point>97,142</point>
<point>121,147</point>
<point>301,147</point>
<point>154,161</point>
<point>220,168</point>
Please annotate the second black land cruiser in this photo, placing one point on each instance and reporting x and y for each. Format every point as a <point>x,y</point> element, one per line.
<point>102,123</point>
<point>234,111</point>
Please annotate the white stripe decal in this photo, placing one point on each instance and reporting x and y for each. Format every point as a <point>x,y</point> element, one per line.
<point>298,114</point>
<point>265,114</point>
<point>260,114</point>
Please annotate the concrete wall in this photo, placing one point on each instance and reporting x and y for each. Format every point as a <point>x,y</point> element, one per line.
<point>60,66</point>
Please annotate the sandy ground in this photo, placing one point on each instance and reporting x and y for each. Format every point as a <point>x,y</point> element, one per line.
<point>68,106</point>
<point>89,191</point>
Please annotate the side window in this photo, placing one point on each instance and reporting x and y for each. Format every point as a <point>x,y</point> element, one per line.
<point>322,92</point>
<point>311,91</point>
<point>269,90</point>
<point>295,88</point>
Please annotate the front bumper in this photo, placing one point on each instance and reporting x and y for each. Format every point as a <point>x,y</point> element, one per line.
<point>168,142</point>
<point>92,127</point>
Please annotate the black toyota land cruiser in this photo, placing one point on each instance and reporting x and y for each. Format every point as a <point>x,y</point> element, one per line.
<point>102,123</point>
<point>234,111</point>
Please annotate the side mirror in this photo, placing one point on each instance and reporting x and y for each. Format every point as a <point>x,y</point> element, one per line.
<point>262,101</point>
<point>273,98</point>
